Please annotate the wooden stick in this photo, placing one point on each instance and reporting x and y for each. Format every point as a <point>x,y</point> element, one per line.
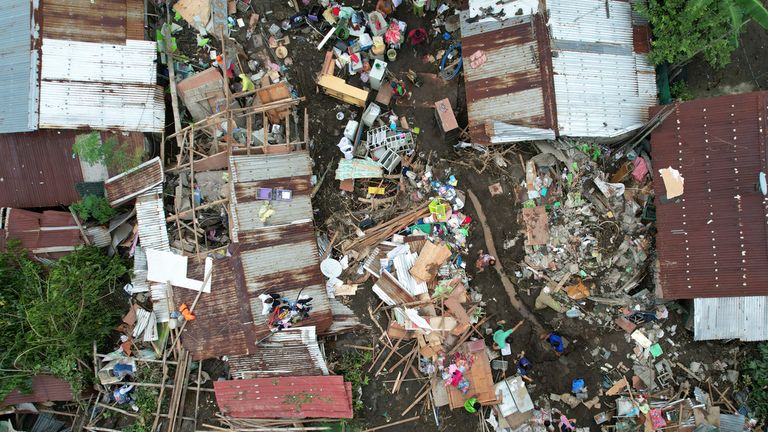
<point>172,79</point>
<point>408,420</point>
<point>181,214</point>
<point>80,226</point>
<point>386,359</point>
<point>418,399</point>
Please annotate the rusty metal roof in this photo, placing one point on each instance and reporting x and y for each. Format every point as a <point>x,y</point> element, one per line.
<point>711,241</point>
<point>50,233</point>
<point>279,256</point>
<point>105,21</point>
<point>44,388</point>
<point>37,169</point>
<point>514,86</point>
<point>132,183</point>
<point>285,397</point>
<point>298,344</point>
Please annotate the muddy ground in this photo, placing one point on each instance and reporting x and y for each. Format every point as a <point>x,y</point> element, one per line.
<point>749,71</point>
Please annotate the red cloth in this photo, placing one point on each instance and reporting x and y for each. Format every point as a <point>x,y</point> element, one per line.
<point>417,36</point>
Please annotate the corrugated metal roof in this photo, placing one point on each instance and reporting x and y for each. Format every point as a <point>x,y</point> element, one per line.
<point>133,182</point>
<point>732,423</point>
<point>50,233</point>
<point>118,79</point>
<point>105,21</point>
<point>18,68</point>
<point>150,216</point>
<point>711,241</point>
<point>744,318</point>
<point>513,86</point>
<point>285,397</point>
<point>44,388</point>
<point>602,87</point>
<point>281,259</point>
<point>293,351</point>
<point>37,169</point>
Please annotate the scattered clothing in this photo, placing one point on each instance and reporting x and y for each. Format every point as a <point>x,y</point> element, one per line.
<point>484,260</point>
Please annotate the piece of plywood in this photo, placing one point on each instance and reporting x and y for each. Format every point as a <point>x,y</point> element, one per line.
<point>189,9</point>
<point>480,384</point>
<point>430,259</point>
<point>536,225</point>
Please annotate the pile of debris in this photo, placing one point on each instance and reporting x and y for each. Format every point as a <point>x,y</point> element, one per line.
<point>583,228</point>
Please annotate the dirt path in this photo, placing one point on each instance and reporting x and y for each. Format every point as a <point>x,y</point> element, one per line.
<point>509,287</point>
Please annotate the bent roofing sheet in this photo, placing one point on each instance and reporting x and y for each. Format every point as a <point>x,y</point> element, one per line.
<point>37,169</point>
<point>52,232</point>
<point>133,182</point>
<point>285,397</point>
<point>514,84</point>
<point>602,87</point>
<point>744,318</point>
<point>298,344</point>
<point>118,79</point>
<point>711,241</point>
<point>18,68</point>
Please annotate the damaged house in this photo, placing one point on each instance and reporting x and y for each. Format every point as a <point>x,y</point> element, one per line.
<point>70,67</point>
<point>566,68</point>
<point>711,201</point>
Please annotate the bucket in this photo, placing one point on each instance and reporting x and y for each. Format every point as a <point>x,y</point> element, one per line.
<point>378,46</point>
<point>391,54</point>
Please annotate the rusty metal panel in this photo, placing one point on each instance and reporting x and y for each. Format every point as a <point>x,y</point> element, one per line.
<point>37,169</point>
<point>513,86</point>
<point>711,241</point>
<point>285,397</point>
<point>104,21</point>
<point>18,68</point>
<point>119,80</point>
<point>50,233</point>
<point>254,168</point>
<point>44,388</point>
<point>134,182</point>
<point>299,344</point>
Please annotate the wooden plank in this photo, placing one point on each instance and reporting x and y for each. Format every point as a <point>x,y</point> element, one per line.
<point>536,225</point>
<point>430,259</point>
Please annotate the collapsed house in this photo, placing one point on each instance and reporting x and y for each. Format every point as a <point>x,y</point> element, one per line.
<point>572,69</point>
<point>709,162</point>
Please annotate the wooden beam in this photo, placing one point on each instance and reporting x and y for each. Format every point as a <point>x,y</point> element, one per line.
<point>172,79</point>
<point>181,214</point>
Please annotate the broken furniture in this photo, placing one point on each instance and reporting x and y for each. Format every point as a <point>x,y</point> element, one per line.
<point>337,87</point>
<point>446,121</point>
<point>386,146</point>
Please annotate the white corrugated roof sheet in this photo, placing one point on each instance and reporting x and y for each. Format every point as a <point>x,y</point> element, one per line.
<point>102,86</point>
<point>744,318</point>
<point>602,87</point>
<point>18,68</point>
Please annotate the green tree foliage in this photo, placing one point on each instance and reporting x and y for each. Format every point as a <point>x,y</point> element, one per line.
<point>94,207</point>
<point>50,316</point>
<point>756,377</point>
<point>91,149</point>
<point>683,29</point>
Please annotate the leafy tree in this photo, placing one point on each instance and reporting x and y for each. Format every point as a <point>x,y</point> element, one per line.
<point>91,149</point>
<point>94,207</point>
<point>756,377</point>
<point>683,29</point>
<point>50,316</point>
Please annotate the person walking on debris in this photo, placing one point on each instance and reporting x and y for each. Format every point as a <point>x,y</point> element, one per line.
<point>484,260</point>
<point>557,342</point>
<point>524,366</point>
<point>472,405</point>
<point>501,337</point>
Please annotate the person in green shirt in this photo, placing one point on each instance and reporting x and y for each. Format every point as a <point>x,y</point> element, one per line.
<point>501,337</point>
<point>472,405</point>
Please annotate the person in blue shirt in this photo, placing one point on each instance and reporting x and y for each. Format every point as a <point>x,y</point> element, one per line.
<point>557,342</point>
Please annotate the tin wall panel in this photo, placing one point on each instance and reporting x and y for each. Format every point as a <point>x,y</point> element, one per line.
<point>133,182</point>
<point>298,344</point>
<point>744,318</point>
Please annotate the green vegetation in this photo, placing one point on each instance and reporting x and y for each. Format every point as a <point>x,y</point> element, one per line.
<point>756,378</point>
<point>680,91</point>
<point>90,149</point>
<point>683,29</point>
<point>351,367</point>
<point>94,207</point>
<point>50,316</point>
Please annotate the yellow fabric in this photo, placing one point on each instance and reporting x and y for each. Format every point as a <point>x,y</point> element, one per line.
<point>247,83</point>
